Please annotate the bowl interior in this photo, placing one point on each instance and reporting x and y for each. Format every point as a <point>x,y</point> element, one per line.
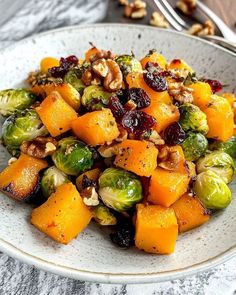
<point>92,253</point>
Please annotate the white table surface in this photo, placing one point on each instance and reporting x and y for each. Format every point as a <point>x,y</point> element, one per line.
<point>17,278</point>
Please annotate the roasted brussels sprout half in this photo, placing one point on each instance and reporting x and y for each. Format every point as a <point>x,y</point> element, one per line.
<point>22,126</point>
<point>119,189</point>
<point>95,97</point>
<point>73,77</point>
<point>103,215</point>
<point>228,146</point>
<point>193,119</point>
<point>12,100</point>
<point>220,163</point>
<point>52,178</point>
<point>194,146</point>
<point>128,63</point>
<point>73,156</point>
<point>212,190</point>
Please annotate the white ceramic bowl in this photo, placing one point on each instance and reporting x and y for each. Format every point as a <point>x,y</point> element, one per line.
<point>91,256</point>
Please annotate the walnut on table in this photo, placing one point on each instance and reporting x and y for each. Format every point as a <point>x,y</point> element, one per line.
<point>208,28</point>
<point>158,20</point>
<point>135,10</point>
<point>187,6</point>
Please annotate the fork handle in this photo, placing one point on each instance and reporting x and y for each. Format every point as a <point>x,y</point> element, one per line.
<point>222,42</point>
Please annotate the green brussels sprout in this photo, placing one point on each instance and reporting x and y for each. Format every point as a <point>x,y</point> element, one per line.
<point>228,146</point>
<point>73,77</point>
<point>119,189</point>
<point>73,156</point>
<point>194,146</point>
<point>95,97</point>
<point>128,63</point>
<point>193,119</point>
<point>103,215</point>
<point>12,100</point>
<point>220,163</point>
<point>52,178</point>
<point>22,126</point>
<point>212,190</point>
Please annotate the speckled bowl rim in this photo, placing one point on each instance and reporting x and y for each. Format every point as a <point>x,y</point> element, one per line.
<point>119,278</point>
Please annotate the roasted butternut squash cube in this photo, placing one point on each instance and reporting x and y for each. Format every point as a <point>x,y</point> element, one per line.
<point>165,114</point>
<point>56,114</point>
<point>136,80</point>
<point>156,229</point>
<point>167,186</point>
<point>97,127</point>
<point>48,63</point>
<point>155,58</point>
<point>63,216</point>
<point>21,179</point>
<point>190,212</point>
<point>179,64</point>
<point>137,156</point>
<point>67,92</point>
<point>220,118</point>
<point>201,94</point>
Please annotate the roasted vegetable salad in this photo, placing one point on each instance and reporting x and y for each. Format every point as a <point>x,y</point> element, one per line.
<point>145,147</point>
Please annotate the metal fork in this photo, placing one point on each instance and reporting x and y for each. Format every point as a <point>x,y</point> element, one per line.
<point>180,25</point>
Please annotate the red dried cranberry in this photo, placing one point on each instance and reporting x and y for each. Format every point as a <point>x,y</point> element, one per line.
<point>152,66</point>
<point>155,81</point>
<point>174,134</point>
<point>139,97</point>
<point>65,64</point>
<point>137,122</point>
<point>215,85</point>
<point>116,107</point>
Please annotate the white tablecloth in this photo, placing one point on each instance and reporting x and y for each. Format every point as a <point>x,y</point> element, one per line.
<point>17,278</point>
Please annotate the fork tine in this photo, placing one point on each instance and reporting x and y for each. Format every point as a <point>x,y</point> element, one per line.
<point>177,18</point>
<point>168,16</point>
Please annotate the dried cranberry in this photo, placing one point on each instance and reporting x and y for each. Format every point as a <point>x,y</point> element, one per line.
<point>122,95</point>
<point>215,85</point>
<point>139,97</point>
<point>174,134</point>
<point>65,64</point>
<point>152,66</point>
<point>124,235</point>
<point>87,182</point>
<point>155,81</point>
<point>116,107</point>
<point>137,121</point>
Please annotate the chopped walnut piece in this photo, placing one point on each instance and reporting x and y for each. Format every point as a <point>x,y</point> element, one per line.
<point>106,54</point>
<point>100,67</point>
<point>208,28</point>
<point>123,2</point>
<point>158,20</point>
<point>113,80</point>
<point>169,159</point>
<point>40,147</point>
<point>123,134</point>
<point>187,6</point>
<point>180,92</point>
<point>38,78</point>
<point>90,196</point>
<point>107,151</point>
<point>136,9</point>
<point>156,138</point>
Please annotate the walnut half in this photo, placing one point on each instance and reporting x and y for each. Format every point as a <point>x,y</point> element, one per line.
<point>40,147</point>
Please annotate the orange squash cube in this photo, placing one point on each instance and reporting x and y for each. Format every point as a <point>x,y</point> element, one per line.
<point>63,216</point>
<point>167,186</point>
<point>201,94</point>
<point>156,229</point>
<point>97,127</point>
<point>154,57</point>
<point>48,63</point>
<point>179,64</point>
<point>190,212</point>
<point>56,114</point>
<point>137,156</point>
<point>20,179</point>
<point>220,118</point>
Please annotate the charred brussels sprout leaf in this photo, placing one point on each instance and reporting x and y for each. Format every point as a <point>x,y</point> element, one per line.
<point>220,163</point>
<point>12,100</point>
<point>73,77</point>
<point>119,189</point>
<point>73,156</point>
<point>128,64</point>
<point>95,98</point>
<point>212,190</point>
<point>228,146</point>
<point>22,126</point>
<point>193,119</point>
<point>52,178</point>
<point>194,146</point>
<point>103,215</point>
